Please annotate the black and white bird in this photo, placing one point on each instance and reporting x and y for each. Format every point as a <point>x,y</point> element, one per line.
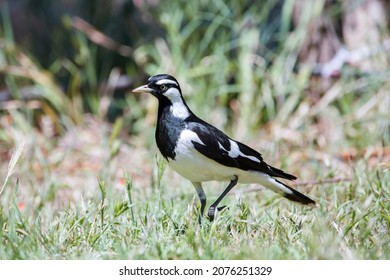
<point>200,152</point>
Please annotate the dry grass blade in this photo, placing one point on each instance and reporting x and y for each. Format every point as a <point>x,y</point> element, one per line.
<point>12,164</point>
<point>99,38</point>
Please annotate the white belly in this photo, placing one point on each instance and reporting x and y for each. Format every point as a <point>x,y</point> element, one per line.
<point>195,167</point>
<point>198,168</point>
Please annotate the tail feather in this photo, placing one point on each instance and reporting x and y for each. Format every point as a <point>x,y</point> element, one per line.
<point>289,192</point>
<point>299,197</point>
<point>280,173</point>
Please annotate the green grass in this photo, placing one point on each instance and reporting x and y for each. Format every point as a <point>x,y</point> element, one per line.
<point>352,221</point>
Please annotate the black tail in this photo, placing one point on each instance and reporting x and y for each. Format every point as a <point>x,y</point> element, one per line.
<point>280,173</point>
<point>297,196</point>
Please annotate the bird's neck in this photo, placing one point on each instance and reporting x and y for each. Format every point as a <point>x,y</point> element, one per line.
<point>170,123</point>
<point>175,107</point>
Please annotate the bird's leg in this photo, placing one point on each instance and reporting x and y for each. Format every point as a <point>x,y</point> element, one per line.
<point>211,212</point>
<point>202,198</point>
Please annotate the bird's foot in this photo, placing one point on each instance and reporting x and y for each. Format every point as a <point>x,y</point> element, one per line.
<point>211,213</point>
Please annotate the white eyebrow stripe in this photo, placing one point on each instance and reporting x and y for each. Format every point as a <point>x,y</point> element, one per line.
<point>166,81</point>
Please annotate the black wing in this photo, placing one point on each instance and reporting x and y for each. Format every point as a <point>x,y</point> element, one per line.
<point>213,139</point>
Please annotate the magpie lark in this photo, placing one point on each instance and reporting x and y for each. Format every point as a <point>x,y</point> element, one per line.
<point>200,152</point>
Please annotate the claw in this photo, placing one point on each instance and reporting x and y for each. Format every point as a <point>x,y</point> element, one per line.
<point>211,213</point>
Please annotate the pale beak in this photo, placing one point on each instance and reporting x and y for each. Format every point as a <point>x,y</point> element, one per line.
<point>142,89</point>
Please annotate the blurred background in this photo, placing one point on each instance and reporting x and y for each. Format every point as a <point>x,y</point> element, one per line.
<point>304,82</point>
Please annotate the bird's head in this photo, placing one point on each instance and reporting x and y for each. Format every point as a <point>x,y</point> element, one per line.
<point>161,86</point>
<point>168,92</point>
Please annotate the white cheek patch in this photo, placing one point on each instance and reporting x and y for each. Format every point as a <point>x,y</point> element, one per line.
<point>172,93</point>
<point>166,81</point>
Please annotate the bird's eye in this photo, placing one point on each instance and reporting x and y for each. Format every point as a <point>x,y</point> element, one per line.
<point>163,87</point>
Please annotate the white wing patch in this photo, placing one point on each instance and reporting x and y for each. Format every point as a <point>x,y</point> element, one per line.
<point>235,151</point>
<point>184,144</point>
<point>193,165</point>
